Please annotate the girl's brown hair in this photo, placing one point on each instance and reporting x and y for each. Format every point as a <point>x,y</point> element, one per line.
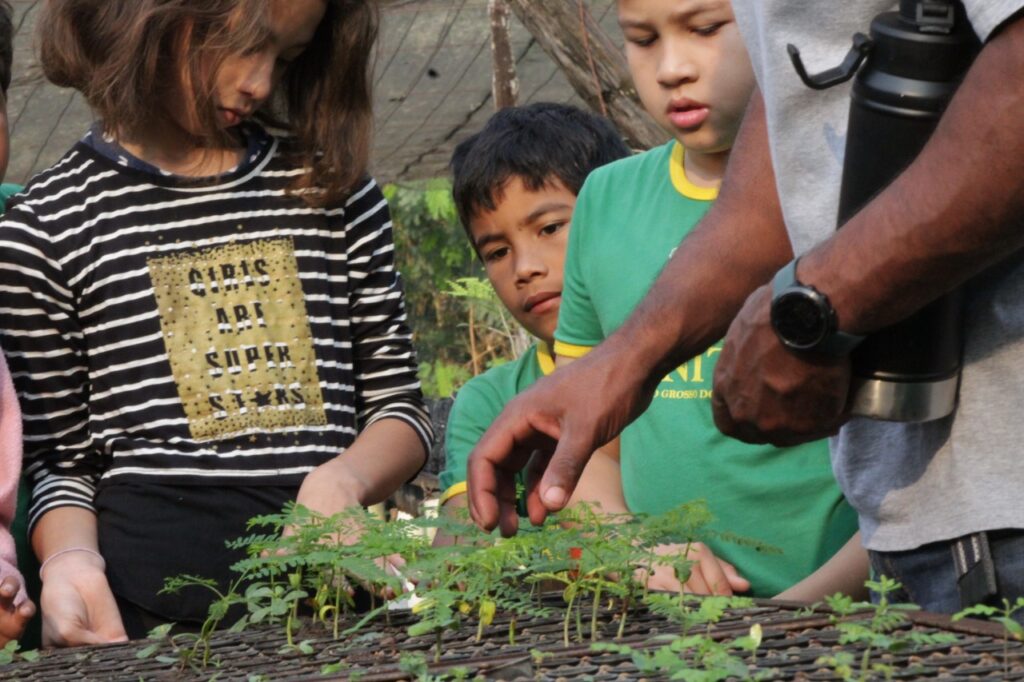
<point>128,56</point>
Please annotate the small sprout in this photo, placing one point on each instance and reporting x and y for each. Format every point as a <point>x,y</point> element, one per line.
<point>539,656</point>
<point>487,610</point>
<point>331,668</point>
<point>160,631</point>
<point>756,634</point>
<point>146,651</point>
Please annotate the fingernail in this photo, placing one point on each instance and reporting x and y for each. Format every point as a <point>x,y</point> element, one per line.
<point>554,497</point>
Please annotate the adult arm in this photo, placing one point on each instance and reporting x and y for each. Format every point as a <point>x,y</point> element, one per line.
<point>957,210</point>
<point>739,244</point>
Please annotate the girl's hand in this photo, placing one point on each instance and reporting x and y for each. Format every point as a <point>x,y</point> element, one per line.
<point>13,619</point>
<point>78,606</point>
<point>708,573</point>
<point>330,488</point>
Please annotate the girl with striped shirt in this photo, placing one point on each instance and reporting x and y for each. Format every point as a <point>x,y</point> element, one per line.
<point>202,317</point>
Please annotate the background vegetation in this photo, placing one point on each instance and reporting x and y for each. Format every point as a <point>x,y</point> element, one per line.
<point>460,328</point>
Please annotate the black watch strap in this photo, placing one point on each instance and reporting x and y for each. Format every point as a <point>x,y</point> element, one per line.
<point>837,343</point>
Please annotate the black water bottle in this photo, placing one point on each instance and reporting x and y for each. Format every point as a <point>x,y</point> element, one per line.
<point>906,73</point>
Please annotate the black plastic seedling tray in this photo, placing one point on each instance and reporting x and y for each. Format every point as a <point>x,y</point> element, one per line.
<point>795,639</point>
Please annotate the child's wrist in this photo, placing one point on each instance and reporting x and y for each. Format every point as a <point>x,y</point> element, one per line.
<point>82,555</point>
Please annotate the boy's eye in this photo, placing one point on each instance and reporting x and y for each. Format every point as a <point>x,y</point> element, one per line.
<point>496,254</point>
<point>709,30</point>
<point>551,228</point>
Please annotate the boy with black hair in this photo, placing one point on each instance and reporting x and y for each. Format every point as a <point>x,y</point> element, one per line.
<point>515,185</point>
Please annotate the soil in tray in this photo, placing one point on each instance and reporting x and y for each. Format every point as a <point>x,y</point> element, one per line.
<point>793,644</point>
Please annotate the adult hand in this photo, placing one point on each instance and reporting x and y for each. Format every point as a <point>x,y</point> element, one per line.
<point>13,619</point>
<point>554,428</point>
<point>708,573</point>
<point>765,393</point>
<point>78,606</point>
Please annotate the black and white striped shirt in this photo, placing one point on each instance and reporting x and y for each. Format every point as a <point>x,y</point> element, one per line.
<point>168,330</point>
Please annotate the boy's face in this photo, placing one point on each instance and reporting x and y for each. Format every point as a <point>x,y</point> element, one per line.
<point>522,245</point>
<point>690,68</point>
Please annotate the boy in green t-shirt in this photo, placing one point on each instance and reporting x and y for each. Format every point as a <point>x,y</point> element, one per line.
<point>693,76</point>
<point>515,184</point>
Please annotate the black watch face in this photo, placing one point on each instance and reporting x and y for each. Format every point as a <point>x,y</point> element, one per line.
<point>800,319</point>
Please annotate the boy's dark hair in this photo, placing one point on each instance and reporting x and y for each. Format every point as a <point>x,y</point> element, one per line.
<point>6,44</point>
<point>536,143</point>
<point>127,56</point>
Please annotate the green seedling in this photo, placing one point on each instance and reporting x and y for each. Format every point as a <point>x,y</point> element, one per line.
<point>415,665</point>
<point>12,652</point>
<point>1004,616</point>
<point>194,650</point>
<point>880,631</point>
<point>302,567</point>
<point>696,658</point>
<point>691,611</point>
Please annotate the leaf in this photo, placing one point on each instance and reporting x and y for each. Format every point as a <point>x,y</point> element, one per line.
<point>1012,627</point>
<point>331,668</point>
<point>147,651</point>
<point>160,631</point>
<point>240,625</point>
<point>421,628</point>
<point>218,609</point>
<point>31,655</point>
<point>8,652</point>
<point>259,614</point>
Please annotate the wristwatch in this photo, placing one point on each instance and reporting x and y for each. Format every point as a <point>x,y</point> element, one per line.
<point>803,317</point>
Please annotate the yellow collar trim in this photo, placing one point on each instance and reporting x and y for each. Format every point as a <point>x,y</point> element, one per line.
<point>459,488</point>
<point>677,171</point>
<point>544,359</point>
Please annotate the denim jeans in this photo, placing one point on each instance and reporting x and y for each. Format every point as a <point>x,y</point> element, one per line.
<point>928,574</point>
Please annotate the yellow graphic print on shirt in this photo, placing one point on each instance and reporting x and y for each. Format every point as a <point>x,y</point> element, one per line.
<point>691,381</point>
<point>237,334</point>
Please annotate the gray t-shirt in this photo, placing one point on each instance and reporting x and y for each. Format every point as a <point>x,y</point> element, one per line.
<point>910,483</point>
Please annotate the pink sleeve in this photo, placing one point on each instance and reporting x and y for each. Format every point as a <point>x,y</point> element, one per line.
<point>10,475</point>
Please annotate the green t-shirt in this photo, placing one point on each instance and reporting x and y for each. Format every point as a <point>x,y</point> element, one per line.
<point>477,404</point>
<point>7,190</point>
<point>629,218</point>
